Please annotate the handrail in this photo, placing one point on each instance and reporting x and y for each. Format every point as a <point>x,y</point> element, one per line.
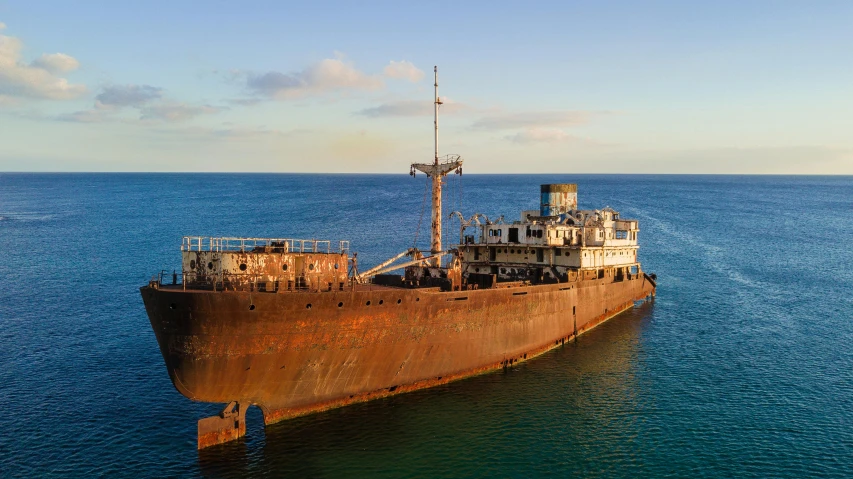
<point>285,245</point>
<point>241,281</point>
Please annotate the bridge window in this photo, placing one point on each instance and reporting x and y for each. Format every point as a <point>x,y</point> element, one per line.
<point>513,235</point>
<point>621,234</point>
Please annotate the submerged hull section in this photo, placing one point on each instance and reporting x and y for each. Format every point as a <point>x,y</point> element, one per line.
<point>299,352</point>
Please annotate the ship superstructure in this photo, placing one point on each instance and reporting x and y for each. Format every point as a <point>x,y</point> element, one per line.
<point>293,326</point>
<point>557,243</point>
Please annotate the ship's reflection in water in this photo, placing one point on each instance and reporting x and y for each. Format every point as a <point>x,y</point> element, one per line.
<point>573,410</point>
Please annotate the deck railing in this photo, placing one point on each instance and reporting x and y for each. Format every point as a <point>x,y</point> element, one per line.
<point>287,245</point>
<point>248,282</point>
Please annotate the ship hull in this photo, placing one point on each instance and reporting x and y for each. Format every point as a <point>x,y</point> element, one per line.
<point>297,353</point>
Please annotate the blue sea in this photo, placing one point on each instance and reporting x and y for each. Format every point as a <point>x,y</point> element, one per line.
<point>741,367</point>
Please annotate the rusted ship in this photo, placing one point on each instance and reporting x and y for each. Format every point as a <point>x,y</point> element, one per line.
<point>293,327</point>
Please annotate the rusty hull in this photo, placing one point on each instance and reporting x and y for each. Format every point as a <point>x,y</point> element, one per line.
<point>300,352</point>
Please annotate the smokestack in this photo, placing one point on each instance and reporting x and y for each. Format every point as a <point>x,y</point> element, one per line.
<point>558,199</point>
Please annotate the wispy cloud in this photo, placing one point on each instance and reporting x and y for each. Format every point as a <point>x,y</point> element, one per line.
<point>37,80</point>
<point>94,115</point>
<point>56,63</point>
<point>540,135</point>
<point>325,76</point>
<point>411,108</point>
<point>127,95</point>
<point>532,119</point>
<point>173,111</point>
<point>227,132</point>
<point>147,101</point>
<point>403,70</point>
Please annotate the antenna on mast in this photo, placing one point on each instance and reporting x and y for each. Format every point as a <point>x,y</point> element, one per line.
<point>436,171</point>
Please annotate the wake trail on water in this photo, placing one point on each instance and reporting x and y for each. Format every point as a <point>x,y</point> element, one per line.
<point>25,217</point>
<point>710,255</point>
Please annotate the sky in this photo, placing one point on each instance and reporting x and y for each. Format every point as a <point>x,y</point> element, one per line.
<point>731,87</point>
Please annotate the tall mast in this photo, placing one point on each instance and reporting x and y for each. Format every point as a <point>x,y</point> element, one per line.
<point>437,102</point>
<point>436,171</point>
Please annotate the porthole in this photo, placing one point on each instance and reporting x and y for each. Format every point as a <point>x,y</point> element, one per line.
<point>399,301</point>
<point>367,303</point>
<point>308,306</point>
<point>341,304</point>
<point>417,299</point>
<point>284,267</point>
<point>336,265</point>
<point>381,302</point>
<point>251,307</point>
<point>210,265</point>
<point>242,266</point>
<point>512,251</point>
<point>477,270</point>
<point>192,264</point>
<point>311,266</point>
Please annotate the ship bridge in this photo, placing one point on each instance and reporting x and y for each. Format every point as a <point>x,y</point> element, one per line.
<point>555,243</point>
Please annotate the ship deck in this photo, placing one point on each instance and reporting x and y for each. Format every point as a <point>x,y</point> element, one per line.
<point>353,287</point>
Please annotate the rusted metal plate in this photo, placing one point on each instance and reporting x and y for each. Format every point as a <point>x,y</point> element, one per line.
<point>229,425</point>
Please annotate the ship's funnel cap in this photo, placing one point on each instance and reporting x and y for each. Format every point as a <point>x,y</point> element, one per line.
<point>558,199</point>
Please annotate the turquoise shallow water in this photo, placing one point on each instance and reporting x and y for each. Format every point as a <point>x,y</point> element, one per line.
<point>742,366</point>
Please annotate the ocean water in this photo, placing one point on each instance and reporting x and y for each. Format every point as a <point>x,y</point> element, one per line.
<point>741,367</point>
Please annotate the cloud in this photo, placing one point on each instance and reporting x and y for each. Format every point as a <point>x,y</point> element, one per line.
<point>6,100</point>
<point>85,116</point>
<point>532,119</point>
<point>147,100</point>
<point>227,133</point>
<point>39,79</point>
<point>244,101</point>
<point>410,108</point>
<point>127,95</point>
<point>56,63</point>
<point>403,70</point>
<point>169,111</point>
<point>540,135</point>
<point>323,77</point>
